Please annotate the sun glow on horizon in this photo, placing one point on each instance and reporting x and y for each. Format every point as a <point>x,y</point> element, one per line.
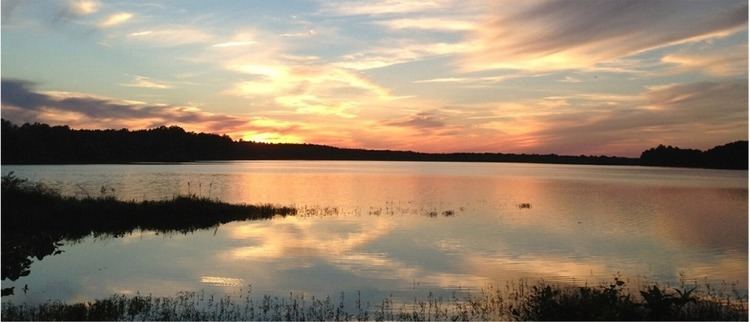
<point>271,138</point>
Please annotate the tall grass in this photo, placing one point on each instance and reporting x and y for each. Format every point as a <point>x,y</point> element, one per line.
<point>34,207</point>
<point>517,301</point>
<point>37,219</point>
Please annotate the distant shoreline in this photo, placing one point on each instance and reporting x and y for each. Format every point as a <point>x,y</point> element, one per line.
<point>431,161</point>
<point>43,144</point>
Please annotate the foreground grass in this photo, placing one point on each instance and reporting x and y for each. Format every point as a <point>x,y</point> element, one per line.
<point>36,219</point>
<point>515,302</point>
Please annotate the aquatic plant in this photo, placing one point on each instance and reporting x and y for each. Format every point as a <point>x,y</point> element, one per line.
<point>518,301</point>
<point>524,205</point>
<point>36,219</point>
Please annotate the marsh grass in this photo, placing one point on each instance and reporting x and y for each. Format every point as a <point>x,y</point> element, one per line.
<point>37,219</point>
<point>34,207</point>
<point>388,210</point>
<point>516,301</point>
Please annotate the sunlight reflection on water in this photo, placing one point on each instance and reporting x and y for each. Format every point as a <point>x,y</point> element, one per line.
<point>402,227</point>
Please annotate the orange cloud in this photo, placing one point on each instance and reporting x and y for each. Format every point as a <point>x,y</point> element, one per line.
<point>554,35</point>
<point>724,62</point>
<point>22,104</point>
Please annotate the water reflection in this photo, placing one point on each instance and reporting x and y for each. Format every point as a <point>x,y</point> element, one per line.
<point>584,224</point>
<point>301,238</point>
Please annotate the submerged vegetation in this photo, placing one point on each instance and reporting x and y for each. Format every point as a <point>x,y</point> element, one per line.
<point>37,219</point>
<point>514,302</point>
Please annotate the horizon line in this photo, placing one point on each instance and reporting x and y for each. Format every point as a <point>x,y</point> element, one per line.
<point>364,149</point>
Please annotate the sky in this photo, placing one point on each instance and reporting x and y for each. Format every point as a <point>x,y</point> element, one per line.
<point>567,77</point>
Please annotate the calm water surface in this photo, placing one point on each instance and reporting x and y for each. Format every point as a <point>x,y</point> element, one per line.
<point>367,226</point>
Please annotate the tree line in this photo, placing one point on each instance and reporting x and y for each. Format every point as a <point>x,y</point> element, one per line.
<point>728,156</point>
<point>44,144</point>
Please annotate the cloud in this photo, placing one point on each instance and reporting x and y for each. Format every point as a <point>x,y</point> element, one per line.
<point>569,79</point>
<point>476,80</point>
<point>718,62</point>
<point>115,19</point>
<point>382,7</point>
<point>327,90</point>
<point>174,35</point>
<point>573,124</point>
<point>234,44</point>
<point>435,23</point>
<point>593,123</point>
<point>323,90</point>
<point>444,80</point>
<point>422,120</point>
<point>398,53</point>
<point>554,35</point>
<point>145,82</point>
<point>308,33</point>
<point>276,131</point>
<point>670,114</point>
<point>83,7</point>
<point>21,103</point>
<point>238,43</point>
<point>8,7</point>
<point>304,85</point>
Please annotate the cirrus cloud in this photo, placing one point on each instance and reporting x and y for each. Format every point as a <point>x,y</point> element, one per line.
<point>724,62</point>
<point>553,35</point>
<point>171,36</point>
<point>146,82</point>
<point>115,19</point>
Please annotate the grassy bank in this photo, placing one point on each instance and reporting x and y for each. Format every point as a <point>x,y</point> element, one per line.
<point>37,219</point>
<point>515,302</point>
<point>32,207</point>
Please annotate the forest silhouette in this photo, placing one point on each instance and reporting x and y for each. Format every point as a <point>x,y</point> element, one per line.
<point>44,144</point>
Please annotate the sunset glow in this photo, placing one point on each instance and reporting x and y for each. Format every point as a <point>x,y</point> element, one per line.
<point>566,77</point>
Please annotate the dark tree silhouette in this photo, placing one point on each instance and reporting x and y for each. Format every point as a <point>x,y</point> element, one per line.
<point>729,156</point>
<point>671,156</point>
<point>43,144</point>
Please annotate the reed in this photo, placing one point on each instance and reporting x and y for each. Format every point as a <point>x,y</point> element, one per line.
<point>36,219</point>
<point>517,301</point>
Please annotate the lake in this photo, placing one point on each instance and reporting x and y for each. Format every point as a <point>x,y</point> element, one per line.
<point>403,228</point>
